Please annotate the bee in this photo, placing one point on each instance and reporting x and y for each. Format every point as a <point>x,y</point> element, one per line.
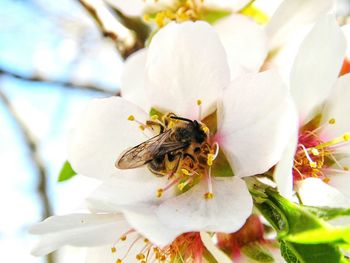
<point>180,143</point>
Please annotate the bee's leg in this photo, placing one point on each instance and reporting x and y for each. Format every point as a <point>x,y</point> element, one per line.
<point>175,158</point>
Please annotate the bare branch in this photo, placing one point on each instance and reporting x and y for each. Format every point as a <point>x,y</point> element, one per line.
<point>66,84</point>
<point>124,38</point>
<point>36,159</point>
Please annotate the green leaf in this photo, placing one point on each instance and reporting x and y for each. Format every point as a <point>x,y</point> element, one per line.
<point>66,172</point>
<point>328,213</point>
<point>310,253</point>
<point>257,252</point>
<point>322,235</point>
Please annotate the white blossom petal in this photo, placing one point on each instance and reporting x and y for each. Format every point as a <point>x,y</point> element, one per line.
<point>235,5</point>
<point>341,182</point>
<point>101,134</point>
<point>186,62</point>
<point>291,15</point>
<point>128,188</point>
<point>338,108</point>
<point>129,7</point>
<point>283,171</point>
<point>133,80</point>
<point>78,230</point>
<point>314,192</point>
<point>226,212</point>
<point>255,120</point>
<point>245,43</point>
<point>147,223</point>
<point>317,65</point>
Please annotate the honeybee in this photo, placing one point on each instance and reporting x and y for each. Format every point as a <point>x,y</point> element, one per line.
<point>180,143</point>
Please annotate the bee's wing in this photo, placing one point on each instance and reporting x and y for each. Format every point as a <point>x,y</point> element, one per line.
<point>147,151</point>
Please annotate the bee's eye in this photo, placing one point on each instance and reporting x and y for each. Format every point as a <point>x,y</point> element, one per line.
<point>197,150</point>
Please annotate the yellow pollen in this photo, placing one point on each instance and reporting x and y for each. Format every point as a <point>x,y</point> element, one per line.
<point>123,238</point>
<point>346,136</point>
<point>181,186</point>
<point>140,256</point>
<point>146,240</point>
<point>154,117</point>
<point>118,260</point>
<point>131,118</point>
<point>331,121</point>
<point>209,195</point>
<point>315,152</point>
<point>313,164</point>
<point>199,102</point>
<point>206,129</point>
<point>160,192</point>
<point>326,180</point>
<point>185,172</point>
<point>210,159</point>
<point>113,249</point>
<point>142,128</point>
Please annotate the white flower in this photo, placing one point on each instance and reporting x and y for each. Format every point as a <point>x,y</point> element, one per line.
<point>138,7</point>
<point>185,63</point>
<point>109,239</point>
<point>318,154</point>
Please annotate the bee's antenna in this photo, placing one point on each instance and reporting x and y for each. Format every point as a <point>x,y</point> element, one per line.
<point>181,119</point>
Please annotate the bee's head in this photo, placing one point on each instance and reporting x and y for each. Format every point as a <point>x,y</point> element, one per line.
<point>199,134</point>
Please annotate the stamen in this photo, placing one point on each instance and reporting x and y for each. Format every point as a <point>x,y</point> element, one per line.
<point>345,137</point>
<point>131,118</point>
<point>199,103</point>
<point>113,249</point>
<point>160,192</point>
<point>209,195</point>
<point>311,162</point>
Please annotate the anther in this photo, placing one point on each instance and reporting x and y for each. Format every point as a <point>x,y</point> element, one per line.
<point>315,152</point>
<point>123,238</point>
<point>209,195</point>
<point>131,118</point>
<point>113,249</point>
<point>118,260</point>
<point>146,240</point>
<point>142,128</point>
<point>185,172</point>
<point>154,117</point>
<point>199,102</point>
<point>210,159</point>
<point>160,192</point>
<point>140,256</point>
<point>346,136</point>
<point>331,121</point>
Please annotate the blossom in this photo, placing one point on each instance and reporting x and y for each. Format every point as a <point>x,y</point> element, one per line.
<point>186,73</point>
<point>316,160</point>
<point>110,238</point>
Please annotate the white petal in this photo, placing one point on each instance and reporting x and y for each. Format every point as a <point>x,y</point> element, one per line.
<point>317,65</point>
<point>341,182</point>
<point>283,172</point>
<point>314,192</point>
<point>235,5</point>
<point>245,43</point>
<point>78,230</point>
<point>209,244</point>
<point>100,254</point>
<point>291,15</point>
<point>101,134</point>
<point>338,107</point>
<point>129,188</point>
<point>133,80</point>
<point>148,224</point>
<point>226,212</point>
<point>186,62</point>
<point>255,121</point>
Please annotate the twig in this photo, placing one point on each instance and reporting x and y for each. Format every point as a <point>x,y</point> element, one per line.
<point>36,159</point>
<point>66,84</point>
<point>125,39</point>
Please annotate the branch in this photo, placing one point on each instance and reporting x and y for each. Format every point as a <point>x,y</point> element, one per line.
<point>66,84</point>
<point>124,38</point>
<point>36,159</point>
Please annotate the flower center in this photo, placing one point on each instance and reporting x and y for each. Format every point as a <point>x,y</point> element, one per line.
<point>181,10</point>
<point>183,151</point>
<point>187,247</point>
<point>314,156</point>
